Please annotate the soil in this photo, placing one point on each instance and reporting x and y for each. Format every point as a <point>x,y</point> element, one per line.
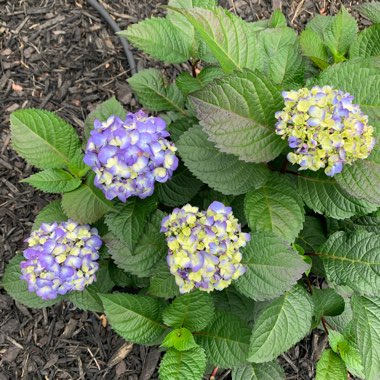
<point>61,56</point>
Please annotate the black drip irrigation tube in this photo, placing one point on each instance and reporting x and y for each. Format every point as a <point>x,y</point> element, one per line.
<point>110,21</point>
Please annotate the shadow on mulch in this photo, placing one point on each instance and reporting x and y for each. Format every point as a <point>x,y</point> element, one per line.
<point>59,55</point>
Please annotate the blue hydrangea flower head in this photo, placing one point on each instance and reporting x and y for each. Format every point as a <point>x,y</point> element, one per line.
<point>60,258</point>
<point>129,156</point>
<point>204,247</point>
<point>325,129</point>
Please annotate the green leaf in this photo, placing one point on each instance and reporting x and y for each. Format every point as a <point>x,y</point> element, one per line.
<point>53,181</point>
<point>120,277</point>
<point>227,36</point>
<point>348,352</point>
<point>279,57</point>
<point>193,311</point>
<point>312,235</point>
<point>369,223</point>
<point>181,339</point>
<point>86,204</point>
<point>280,325</point>
<point>43,138</point>
<point>275,207</point>
<point>160,39</point>
<point>272,267</point>
<point>361,78</point>
<point>76,166</point>
<point>237,113</point>
<point>314,48</point>
<point>128,220</point>
<point>259,371</point>
<point>178,127</point>
<point>366,313</point>
<point>320,24</point>
<point>162,282</point>
<point>370,11</point>
<point>102,112</point>
<point>154,93</point>
<point>183,365</point>
<point>367,43</point>
<point>353,260</point>
<point>222,172</point>
<point>277,19</point>
<point>340,34</point>
<point>327,302</point>
<point>49,214</point>
<point>362,179</point>
<point>18,289</point>
<point>188,84</point>
<point>340,322</point>
<point>136,318</point>
<point>148,252</point>
<point>180,189</point>
<point>231,301</point>
<point>225,341</point>
<point>324,196</point>
<point>331,367</point>
<point>88,299</point>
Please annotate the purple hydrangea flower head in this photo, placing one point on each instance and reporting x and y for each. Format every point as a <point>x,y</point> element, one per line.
<point>129,156</point>
<point>325,129</point>
<point>204,247</point>
<point>60,258</point>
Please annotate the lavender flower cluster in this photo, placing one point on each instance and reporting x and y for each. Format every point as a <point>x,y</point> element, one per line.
<point>325,128</point>
<point>129,155</point>
<point>204,247</point>
<point>61,257</point>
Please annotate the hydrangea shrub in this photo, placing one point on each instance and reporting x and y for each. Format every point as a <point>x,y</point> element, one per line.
<point>234,213</point>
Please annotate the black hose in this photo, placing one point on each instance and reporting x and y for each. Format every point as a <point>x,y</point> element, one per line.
<point>100,9</point>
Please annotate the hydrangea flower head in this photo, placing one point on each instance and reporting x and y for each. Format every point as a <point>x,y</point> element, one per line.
<point>325,129</point>
<point>129,155</point>
<point>204,247</point>
<point>60,258</point>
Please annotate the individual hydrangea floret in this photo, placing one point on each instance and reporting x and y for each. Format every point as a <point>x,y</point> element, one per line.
<point>61,257</point>
<point>204,247</point>
<point>129,155</point>
<point>325,129</point>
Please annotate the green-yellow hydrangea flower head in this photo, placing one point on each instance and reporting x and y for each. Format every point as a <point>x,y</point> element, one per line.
<point>325,129</point>
<point>204,247</point>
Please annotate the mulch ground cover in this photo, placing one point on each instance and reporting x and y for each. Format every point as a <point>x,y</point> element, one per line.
<point>60,55</point>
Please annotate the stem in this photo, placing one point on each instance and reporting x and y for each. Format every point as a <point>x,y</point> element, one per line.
<point>284,166</point>
<point>311,254</point>
<point>309,286</point>
<point>213,373</point>
<point>194,68</point>
<point>324,324</point>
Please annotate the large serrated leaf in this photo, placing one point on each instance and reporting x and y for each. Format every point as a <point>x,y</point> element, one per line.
<point>86,204</point>
<point>353,260</point>
<point>160,39</point>
<point>312,235</point>
<point>275,207</point>
<point>237,113</point>
<point>370,223</point>
<point>50,213</point>
<point>222,172</point>
<point>44,139</point>
<point>367,43</point>
<point>193,311</point>
<point>183,365</point>
<point>136,318</point>
<point>272,267</point>
<point>280,325</point>
<point>153,92</point>
<point>259,371</point>
<point>314,48</point>
<point>361,78</point>
<point>53,181</point>
<point>225,341</point>
<point>324,196</point>
<point>331,367</point>
<point>128,220</point>
<point>18,289</point>
<point>366,312</point>
<point>180,189</point>
<point>148,252</point>
<point>162,282</point>
<point>227,36</point>
<point>370,11</point>
<point>362,179</point>
<point>327,302</point>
